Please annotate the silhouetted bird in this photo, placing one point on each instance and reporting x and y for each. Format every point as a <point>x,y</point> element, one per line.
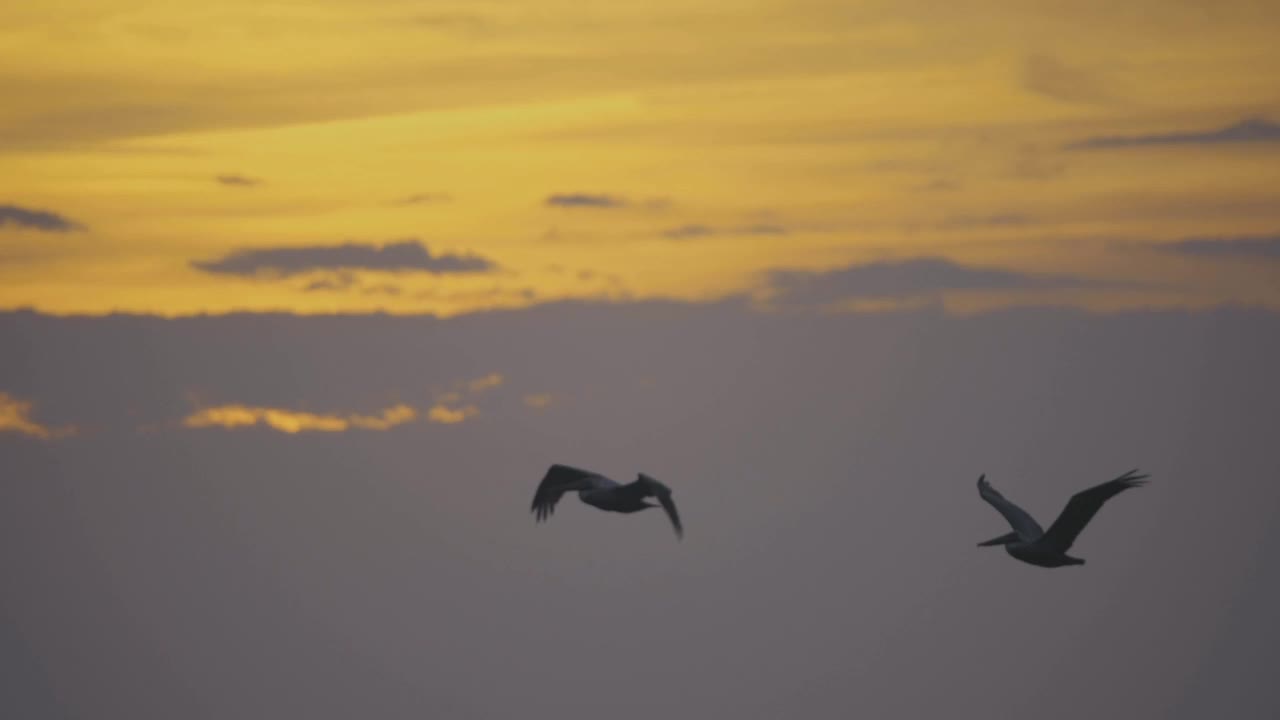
<point>599,491</point>
<point>1031,544</point>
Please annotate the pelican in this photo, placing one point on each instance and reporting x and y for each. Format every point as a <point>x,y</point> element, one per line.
<point>599,491</point>
<point>1030,544</point>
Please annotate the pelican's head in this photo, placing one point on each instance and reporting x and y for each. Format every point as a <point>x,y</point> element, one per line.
<point>1002,540</point>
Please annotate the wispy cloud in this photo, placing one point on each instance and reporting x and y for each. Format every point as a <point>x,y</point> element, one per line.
<point>44,220</point>
<point>695,231</point>
<point>401,256</point>
<point>337,282</point>
<point>15,417</point>
<point>445,415</point>
<point>492,380</point>
<point>538,401</point>
<point>585,200</point>
<point>1245,131</point>
<point>1049,76</point>
<point>495,293</point>
<point>294,421</point>
<point>450,407</point>
<point>347,281</point>
<point>903,279</point>
<point>238,180</point>
<point>1240,247</point>
<point>424,199</point>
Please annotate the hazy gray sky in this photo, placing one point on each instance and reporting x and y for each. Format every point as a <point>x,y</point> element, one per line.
<point>824,466</point>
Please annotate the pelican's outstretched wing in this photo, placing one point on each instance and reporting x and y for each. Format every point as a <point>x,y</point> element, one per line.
<point>559,480</point>
<point>1082,507</point>
<point>1026,526</point>
<point>648,487</point>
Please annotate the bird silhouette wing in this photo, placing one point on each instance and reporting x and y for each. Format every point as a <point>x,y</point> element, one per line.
<point>1026,526</point>
<point>559,480</point>
<point>652,488</point>
<point>1083,506</point>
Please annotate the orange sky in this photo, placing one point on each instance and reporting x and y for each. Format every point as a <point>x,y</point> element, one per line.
<point>698,145</point>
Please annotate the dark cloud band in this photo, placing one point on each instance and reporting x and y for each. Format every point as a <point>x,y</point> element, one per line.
<point>585,200</point>
<point>43,220</point>
<point>402,256</point>
<point>904,279</point>
<point>1251,130</point>
<point>1243,247</point>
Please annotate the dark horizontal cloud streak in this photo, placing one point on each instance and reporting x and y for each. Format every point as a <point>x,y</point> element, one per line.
<point>238,180</point>
<point>904,279</point>
<point>401,256</point>
<point>424,199</point>
<point>43,220</point>
<point>1240,247</point>
<point>1245,131</point>
<point>695,231</point>
<point>585,200</point>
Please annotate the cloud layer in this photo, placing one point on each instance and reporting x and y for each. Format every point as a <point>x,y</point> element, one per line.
<point>788,441</point>
<point>402,256</point>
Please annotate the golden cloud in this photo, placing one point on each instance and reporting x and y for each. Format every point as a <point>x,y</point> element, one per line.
<point>15,416</point>
<point>491,380</point>
<point>446,415</point>
<point>291,421</point>
<point>538,401</point>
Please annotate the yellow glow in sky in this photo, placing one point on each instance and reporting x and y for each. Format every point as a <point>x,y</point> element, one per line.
<point>293,421</point>
<point>664,149</point>
<point>15,417</point>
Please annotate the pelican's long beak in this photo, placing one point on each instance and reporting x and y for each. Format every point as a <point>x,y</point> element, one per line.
<point>1002,540</point>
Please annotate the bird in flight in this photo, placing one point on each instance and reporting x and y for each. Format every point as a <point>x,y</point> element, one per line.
<point>1030,544</point>
<point>599,491</point>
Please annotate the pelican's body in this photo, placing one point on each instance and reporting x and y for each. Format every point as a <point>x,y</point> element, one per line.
<point>1035,554</point>
<point>1030,543</point>
<point>601,492</point>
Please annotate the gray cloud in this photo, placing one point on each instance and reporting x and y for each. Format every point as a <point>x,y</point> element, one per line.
<point>904,279</point>
<point>1245,131</point>
<point>401,256</point>
<point>424,199</point>
<point>688,232</point>
<point>336,282</point>
<point>36,219</point>
<point>1049,76</point>
<point>1241,247</point>
<point>335,575</point>
<point>585,200</point>
<point>347,281</point>
<point>238,180</point>
<point>694,231</point>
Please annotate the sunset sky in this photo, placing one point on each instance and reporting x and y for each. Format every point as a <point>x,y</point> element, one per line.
<point>299,301</point>
<point>667,149</point>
